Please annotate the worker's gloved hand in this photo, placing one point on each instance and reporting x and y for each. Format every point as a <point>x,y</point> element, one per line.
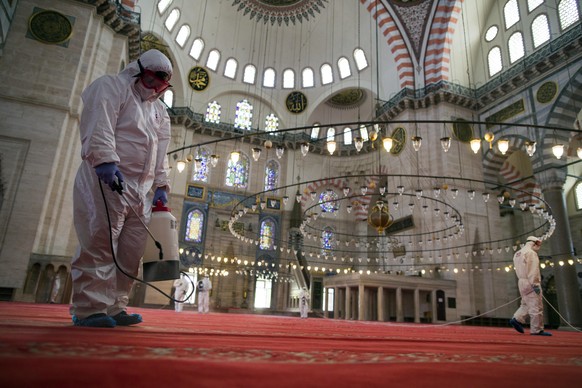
<point>160,195</point>
<point>107,173</point>
<point>536,289</point>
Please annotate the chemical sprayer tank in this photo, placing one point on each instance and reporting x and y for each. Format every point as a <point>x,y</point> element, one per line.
<point>163,227</point>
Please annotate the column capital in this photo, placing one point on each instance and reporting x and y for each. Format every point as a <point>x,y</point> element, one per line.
<point>551,179</point>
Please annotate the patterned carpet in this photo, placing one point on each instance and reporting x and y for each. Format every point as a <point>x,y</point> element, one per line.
<point>40,347</point>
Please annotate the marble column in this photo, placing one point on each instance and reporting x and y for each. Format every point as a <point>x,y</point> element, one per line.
<point>348,312</point>
<point>561,247</point>
<point>399,311</point>
<point>381,304</point>
<point>416,305</point>
<point>336,303</point>
<point>361,303</point>
<point>433,306</point>
<point>325,301</point>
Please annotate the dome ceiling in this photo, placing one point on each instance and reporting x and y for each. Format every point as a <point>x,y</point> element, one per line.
<point>280,11</point>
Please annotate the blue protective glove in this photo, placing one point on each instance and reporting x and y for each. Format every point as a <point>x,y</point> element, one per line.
<point>160,195</point>
<point>107,173</point>
<point>536,289</point>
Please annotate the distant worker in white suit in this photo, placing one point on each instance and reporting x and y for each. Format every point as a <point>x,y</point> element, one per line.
<point>204,287</point>
<point>304,298</point>
<point>181,288</point>
<point>527,269</point>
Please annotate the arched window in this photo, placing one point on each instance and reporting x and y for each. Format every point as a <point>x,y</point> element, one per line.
<point>169,98</point>
<point>200,174</point>
<point>540,30</point>
<point>568,13</point>
<point>533,4</point>
<point>194,226</point>
<point>212,113</point>
<point>172,19</point>
<point>271,175</point>
<point>347,136</point>
<point>308,79</point>
<point>269,78</point>
<point>511,13</point>
<point>327,237</point>
<point>516,47</point>
<point>196,49</point>
<point>271,123</point>
<point>364,133</point>
<point>578,195</point>
<point>326,74</point>
<point>267,235</point>
<point>331,134</point>
<point>237,173</point>
<point>250,74</point>
<point>288,79</point>
<point>163,5</point>
<point>230,68</point>
<point>213,58</point>
<point>244,115</point>
<point>344,67</point>
<point>327,201</point>
<point>183,35</point>
<point>360,58</point>
<point>494,61</point>
<point>315,131</point>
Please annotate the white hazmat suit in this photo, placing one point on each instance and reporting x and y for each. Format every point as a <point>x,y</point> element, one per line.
<point>181,288</point>
<point>527,269</point>
<point>204,287</point>
<point>122,123</point>
<point>304,298</point>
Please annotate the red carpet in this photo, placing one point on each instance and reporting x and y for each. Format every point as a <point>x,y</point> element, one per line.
<point>39,347</point>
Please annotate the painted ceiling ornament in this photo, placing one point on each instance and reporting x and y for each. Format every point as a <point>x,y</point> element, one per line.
<point>414,16</point>
<point>279,11</point>
<point>347,99</point>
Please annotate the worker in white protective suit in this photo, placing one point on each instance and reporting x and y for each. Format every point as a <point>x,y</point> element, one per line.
<point>304,299</point>
<point>527,269</point>
<point>125,133</point>
<point>204,287</point>
<point>180,290</point>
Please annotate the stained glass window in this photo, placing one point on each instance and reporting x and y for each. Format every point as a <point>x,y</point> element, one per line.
<point>271,175</point>
<point>244,115</point>
<point>237,174</point>
<point>325,197</point>
<point>212,113</point>
<point>327,240</point>
<point>267,235</point>
<point>271,123</point>
<point>194,225</point>
<point>201,175</point>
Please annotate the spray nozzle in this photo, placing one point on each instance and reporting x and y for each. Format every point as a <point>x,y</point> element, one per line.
<point>117,185</point>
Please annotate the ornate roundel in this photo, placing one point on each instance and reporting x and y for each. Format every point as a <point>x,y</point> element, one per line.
<point>50,27</point>
<point>296,102</point>
<point>399,140</point>
<point>547,92</point>
<point>462,130</point>
<point>198,78</point>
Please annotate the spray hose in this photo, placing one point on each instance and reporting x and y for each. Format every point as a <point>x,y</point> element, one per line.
<point>118,187</point>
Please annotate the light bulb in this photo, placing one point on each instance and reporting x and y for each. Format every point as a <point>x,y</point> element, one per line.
<point>416,142</point>
<point>256,153</point>
<point>197,164</point>
<point>358,143</point>
<point>503,145</point>
<point>331,146</point>
<point>180,165</point>
<point>387,142</point>
<point>558,150</point>
<point>280,151</point>
<point>475,145</point>
<point>446,143</point>
<point>530,148</point>
<point>304,148</point>
<point>214,160</point>
<point>235,156</point>
<point>579,152</point>
<point>346,191</point>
